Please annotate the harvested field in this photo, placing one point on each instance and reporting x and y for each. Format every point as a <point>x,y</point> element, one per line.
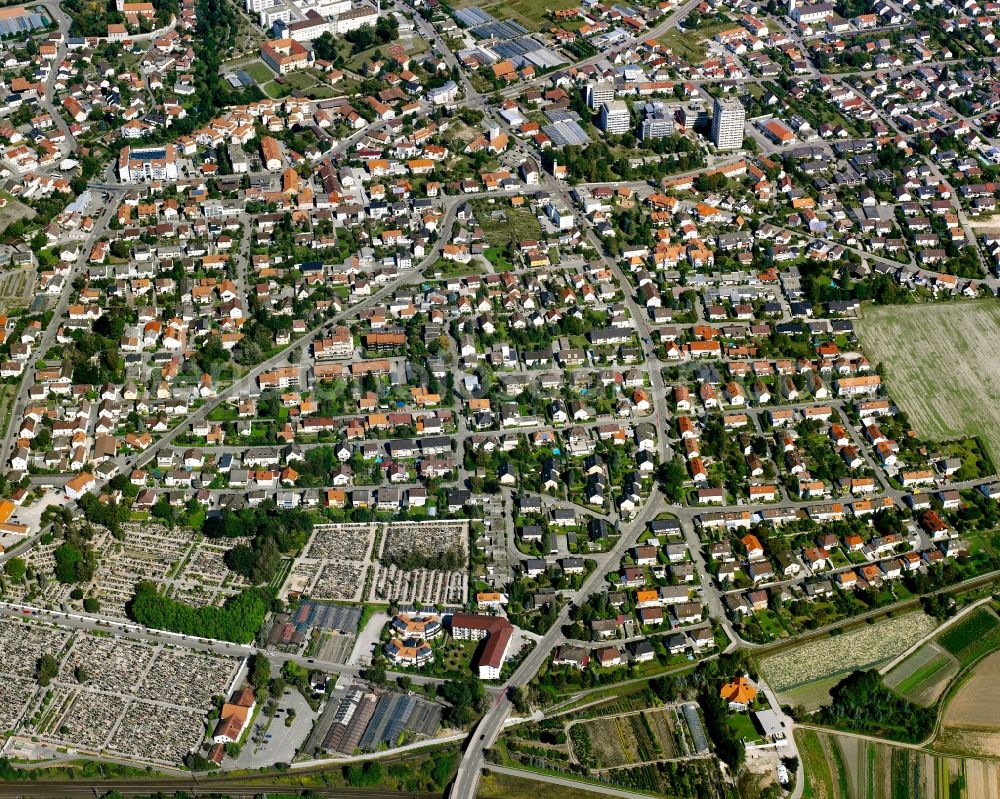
<point>975,703</point>
<point>981,778</point>
<point>503,786</point>
<point>924,675</point>
<point>938,360</point>
<point>967,741</point>
<point>853,751</point>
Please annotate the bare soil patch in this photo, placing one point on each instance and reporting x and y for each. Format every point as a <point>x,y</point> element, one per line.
<point>974,706</point>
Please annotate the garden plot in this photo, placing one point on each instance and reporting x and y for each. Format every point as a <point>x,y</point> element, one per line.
<point>17,288</point>
<point>632,738</point>
<point>859,648</point>
<point>22,644</point>
<point>112,664</point>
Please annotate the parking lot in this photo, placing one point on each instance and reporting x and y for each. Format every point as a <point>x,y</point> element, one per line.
<point>270,741</point>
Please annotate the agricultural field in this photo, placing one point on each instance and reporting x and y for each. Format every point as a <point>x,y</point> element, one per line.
<point>972,637</point>
<point>882,771</point>
<point>823,762</point>
<point>843,767</point>
<point>811,695</point>
<point>923,676</point>
<point>826,659</point>
<point>504,786</point>
<point>959,346</point>
<point>973,708</point>
<point>959,778</point>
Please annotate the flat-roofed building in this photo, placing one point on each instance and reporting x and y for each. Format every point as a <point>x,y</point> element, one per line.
<point>139,164</point>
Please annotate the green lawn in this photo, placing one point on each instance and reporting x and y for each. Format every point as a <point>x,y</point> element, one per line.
<point>306,81</point>
<point>742,725</point>
<point>496,257</point>
<point>259,71</point>
<point>690,44</point>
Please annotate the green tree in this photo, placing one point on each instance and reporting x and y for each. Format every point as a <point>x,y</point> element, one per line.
<point>15,569</point>
<point>260,673</point>
<point>73,563</point>
<point>46,668</point>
